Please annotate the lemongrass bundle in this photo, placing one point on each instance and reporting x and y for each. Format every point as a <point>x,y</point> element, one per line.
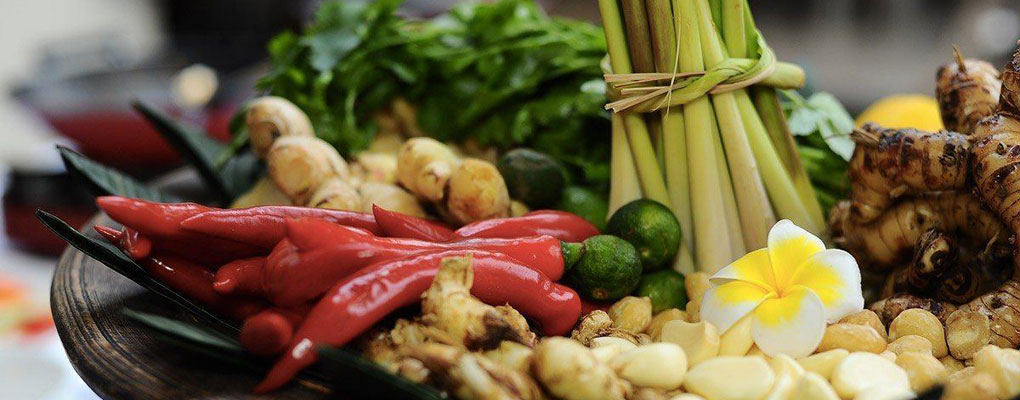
<point>704,77</point>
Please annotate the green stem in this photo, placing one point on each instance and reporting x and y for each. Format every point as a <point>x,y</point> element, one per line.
<point>624,184</point>
<point>572,253</point>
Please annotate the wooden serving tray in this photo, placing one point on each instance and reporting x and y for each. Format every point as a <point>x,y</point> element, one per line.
<point>121,359</point>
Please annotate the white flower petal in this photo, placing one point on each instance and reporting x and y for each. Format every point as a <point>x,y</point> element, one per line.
<point>790,245</point>
<point>727,303</point>
<point>793,324</point>
<point>834,276</point>
<point>754,267</point>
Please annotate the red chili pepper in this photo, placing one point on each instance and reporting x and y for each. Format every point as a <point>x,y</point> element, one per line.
<point>394,224</point>
<point>160,223</point>
<point>264,226</point>
<point>136,246</point>
<point>355,304</point>
<point>558,224</point>
<point>241,277</point>
<point>324,253</point>
<point>269,332</point>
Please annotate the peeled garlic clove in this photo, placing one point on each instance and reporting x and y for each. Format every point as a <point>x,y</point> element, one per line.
<point>782,388</point>
<point>607,348</point>
<point>812,386</point>
<point>700,340</point>
<point>861,370</point>
<point>657,365</point>
<point>737,340</point>
<point>730,378</point>
<point>782,364</point>
<point>823,363</point>
<point>885,393</point>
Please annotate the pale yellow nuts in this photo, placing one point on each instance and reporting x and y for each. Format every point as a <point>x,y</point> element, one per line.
<point>823,363</point>
<point>910,343</point>
<point>700,340</point>
<point>812,386</point>
<point>867,318</point>
<point>632,314</point>
<point>696,285</point>
<point>655,327</point>
<point>861,370</point>
<point>966,333</point>
<point>730,378</point>
<point>916,321</point>
<point>952,365</point>
<point>923,370</point>
<point>737,340</point>
<point>607,348</point>
<point>885,393</point>
<point>1003,365</point>
<point>971,386</point>
<point>656,365</point>
<point>852,338</point>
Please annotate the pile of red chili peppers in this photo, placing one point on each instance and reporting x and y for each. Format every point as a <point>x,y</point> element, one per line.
<point>300,277</point>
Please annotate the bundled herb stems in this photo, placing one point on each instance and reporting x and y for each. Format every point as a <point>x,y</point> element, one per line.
<point>729,168</point>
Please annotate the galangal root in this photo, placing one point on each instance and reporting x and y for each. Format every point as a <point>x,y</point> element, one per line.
<point>950,200</point>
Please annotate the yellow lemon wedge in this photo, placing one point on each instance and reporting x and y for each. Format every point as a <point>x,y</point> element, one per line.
<point>904,111</point>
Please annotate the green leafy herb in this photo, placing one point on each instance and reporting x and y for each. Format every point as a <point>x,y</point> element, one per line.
<point>102,180</point>
<point>227,182</point>
<point>501,73</point>
<point>821,127</point>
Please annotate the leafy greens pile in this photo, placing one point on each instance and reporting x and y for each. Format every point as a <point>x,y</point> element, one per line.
<point>502,73</point>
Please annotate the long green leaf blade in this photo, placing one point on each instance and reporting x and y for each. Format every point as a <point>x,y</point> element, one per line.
<point>101,180</point>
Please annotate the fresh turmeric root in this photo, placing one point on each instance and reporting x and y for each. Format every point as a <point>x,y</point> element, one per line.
<point>967,91</point>
<point>889,240</point>
<point>889,163</point>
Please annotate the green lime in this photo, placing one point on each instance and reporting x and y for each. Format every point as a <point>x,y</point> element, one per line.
<point>585,203</point>
<point>532,177</point>
<point>609,269</point>
<point>665,288</point>
<point>651,228</point>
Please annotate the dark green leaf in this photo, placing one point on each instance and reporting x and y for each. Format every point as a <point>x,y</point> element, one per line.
<point>203,336</point>
<point>102,180</point>
<point>112,257</point>
<point>203,152</point>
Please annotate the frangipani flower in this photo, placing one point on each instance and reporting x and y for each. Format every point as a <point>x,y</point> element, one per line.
<point>791,289</point>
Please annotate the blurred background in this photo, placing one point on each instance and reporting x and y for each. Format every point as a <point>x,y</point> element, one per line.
<point>70,69</point>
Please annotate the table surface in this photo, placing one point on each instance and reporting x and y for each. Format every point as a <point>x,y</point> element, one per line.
<point>118,358</point>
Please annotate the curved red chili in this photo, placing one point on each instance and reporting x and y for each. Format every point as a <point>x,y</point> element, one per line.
<point>353,305</point>
<point>241,277</point>
<point>558,224</point>
<point>195,282</point>
<point>160,223</point>
<point>324,253</point>
<point>270,331</point>
<point>264,226</point>
<point>394,224</point>
<point>136,246</point>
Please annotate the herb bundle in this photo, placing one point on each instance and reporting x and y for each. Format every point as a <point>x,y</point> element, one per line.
<point>501,73</point>
<point>682,73</point>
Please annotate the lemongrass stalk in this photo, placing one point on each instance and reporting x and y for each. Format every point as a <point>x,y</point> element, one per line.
<point>674,142</point>
<point>754,210</point>
<point>712,244</point>
<point>623,182</point>
<point>655,129</point>
<point>639,40</point>
<point>729,196</point>
<point>779,185</point>
<point>766,101</point>
<point>652,184</point>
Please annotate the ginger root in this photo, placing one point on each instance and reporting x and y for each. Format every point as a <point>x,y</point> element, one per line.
<point>273,117</point>
<point>889,163</point>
